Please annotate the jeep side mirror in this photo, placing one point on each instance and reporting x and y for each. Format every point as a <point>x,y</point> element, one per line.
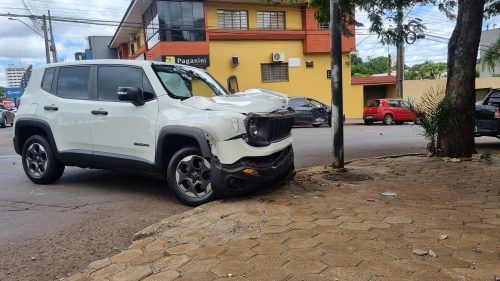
<point>131,94</point>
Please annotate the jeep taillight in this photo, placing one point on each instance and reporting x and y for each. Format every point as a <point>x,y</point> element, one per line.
<point>497,113</point>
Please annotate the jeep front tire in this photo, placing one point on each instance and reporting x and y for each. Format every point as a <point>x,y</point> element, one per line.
<point>189,177</point>
<point>39,161</point>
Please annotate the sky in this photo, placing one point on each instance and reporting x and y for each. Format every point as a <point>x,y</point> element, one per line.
<point>21,45</point>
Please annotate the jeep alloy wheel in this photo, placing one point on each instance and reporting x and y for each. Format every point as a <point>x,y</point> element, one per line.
<point>39,161</point>
<point>193,176</point>
<point>36,160</point>
<point>189,177</point>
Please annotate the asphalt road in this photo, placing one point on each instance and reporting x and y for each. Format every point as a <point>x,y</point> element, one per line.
<point>49,231</point>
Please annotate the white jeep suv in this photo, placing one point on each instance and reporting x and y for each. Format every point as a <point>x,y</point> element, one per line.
<point>170,121</point>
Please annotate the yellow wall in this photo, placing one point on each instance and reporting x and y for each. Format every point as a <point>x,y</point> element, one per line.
<point>416,89</point>
<point>293,14</point>
<point>310,82</point>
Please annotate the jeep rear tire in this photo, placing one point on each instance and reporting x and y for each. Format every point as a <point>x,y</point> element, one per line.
<point>39,161</point>
<point>189,177</point>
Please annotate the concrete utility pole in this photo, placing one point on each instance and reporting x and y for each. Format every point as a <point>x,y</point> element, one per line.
<point>52,41</point>
<point>337,106</point>
<point>400,68</point>
<point>46,38</point>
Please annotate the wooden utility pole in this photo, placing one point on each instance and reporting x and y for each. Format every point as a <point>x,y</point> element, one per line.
<point>46,38</point>
<point>52,41</point>
<point>336,80</point>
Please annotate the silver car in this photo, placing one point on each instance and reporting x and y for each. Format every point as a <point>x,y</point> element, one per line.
<point>6,116</point>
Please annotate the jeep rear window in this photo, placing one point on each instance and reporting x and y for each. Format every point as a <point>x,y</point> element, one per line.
<point>184,83</point>
<point>48,76</point>
<point>373,103</point>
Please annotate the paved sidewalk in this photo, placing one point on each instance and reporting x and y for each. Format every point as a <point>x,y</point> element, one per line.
<point>319,229</point>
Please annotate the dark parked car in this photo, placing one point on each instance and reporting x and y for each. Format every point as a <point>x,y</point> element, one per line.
<point>310,111</point>
<point>488,115</point>
<point>389,111</point>
<point>6,116</point>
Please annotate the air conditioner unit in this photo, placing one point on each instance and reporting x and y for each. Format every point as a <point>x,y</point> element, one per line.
<point>278,56</point>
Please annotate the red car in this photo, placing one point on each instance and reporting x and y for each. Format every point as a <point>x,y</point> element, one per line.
<point>389,111</point>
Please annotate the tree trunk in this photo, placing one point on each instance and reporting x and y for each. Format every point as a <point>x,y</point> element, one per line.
<point>458,138</point>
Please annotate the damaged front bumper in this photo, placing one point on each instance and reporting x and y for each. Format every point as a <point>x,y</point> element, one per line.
<point>251,173</point>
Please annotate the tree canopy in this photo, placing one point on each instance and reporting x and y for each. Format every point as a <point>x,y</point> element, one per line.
<point>426,70</point>
<point>371,66</point>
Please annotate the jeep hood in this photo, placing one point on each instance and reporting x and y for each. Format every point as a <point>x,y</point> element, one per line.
<point>253,100</point>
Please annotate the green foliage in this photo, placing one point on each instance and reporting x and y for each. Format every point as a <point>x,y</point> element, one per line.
<point>361,70</point>
<point>486,155</point>
<point>355,60</point>
<point>372,66</point>
<point>491,57</point>
<point>435,114</point>
<point>426,70</point>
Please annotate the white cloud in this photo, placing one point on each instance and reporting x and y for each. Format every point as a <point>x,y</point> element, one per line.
<point>19,43</point>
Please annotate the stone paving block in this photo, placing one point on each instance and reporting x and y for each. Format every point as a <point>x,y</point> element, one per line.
<point>302,243</point>
<point>236,254</point>
<point>126,256</point>
<point>169,263</point>
<point>342,260</point>
<point>183,249</point>
<point>147,257</point>
<point>156,245</point>
<point>354,226</point>
<point>327,221</point>
<point>278,222</point>
<point>376,224</point>
<point>274,229</point>
<point>207,251</point>
<point>99,264</point>
<point>398,219</point>
<point>200,265</point>
<point>347,274</point>
<point>163,276</point>
<point>197,276</point>
<point>259,261</point>
<point>304,254</point>
<point>107,271</point>
<point>302,225</point>
<point>308,277</point>
<point>270,248</point>
<point>137,244</point>
<point>133,273</point>
<point>305,266</point>
<point>268,273</point>
<point>235,268</point>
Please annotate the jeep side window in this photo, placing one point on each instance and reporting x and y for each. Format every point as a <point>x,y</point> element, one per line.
<point>494,98</point>
<point>48,76</point>
<point>184,83</point>
<point>73,82</point>
<point>110,78</point>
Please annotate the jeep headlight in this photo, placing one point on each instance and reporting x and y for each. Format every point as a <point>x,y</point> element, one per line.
<point>253,129</point>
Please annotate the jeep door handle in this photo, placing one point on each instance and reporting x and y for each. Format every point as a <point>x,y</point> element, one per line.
<point>51,108</point>
<point>99,112</point>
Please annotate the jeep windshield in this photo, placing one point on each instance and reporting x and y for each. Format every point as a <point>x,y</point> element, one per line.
<point>186,82</point>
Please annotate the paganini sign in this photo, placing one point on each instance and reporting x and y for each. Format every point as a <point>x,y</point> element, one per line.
<point>201,61</point>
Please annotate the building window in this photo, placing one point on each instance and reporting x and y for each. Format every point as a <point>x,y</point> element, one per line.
<point>271,20</point>
<point>274,72</point>
<point>232,19</point>
<point>181,20</point>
